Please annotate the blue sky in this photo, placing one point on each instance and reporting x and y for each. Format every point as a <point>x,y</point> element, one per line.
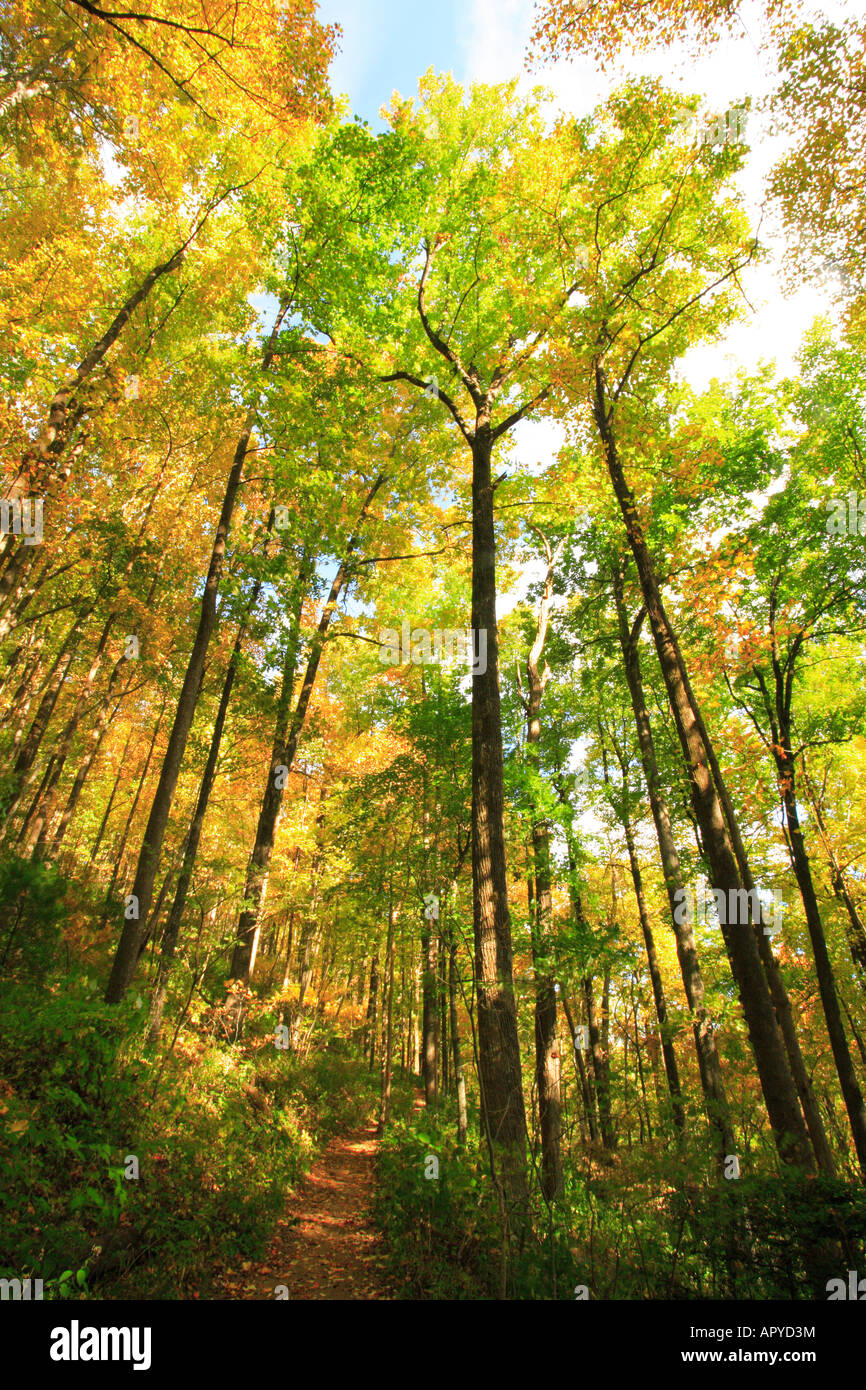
<point>388,44</point>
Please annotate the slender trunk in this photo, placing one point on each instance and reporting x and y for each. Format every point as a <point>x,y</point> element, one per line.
<point>121,849</point>
<point>670,1062</point>
<point>308,934</point>
<point>709,1063</point>
<point>370,1021</point>
<point>104,712</point>
<point>855,931</point>
<point>35,734</point>
<point>774,1071</point>
<point>385,1096</point>
<point>430,1016</point>
<point>851,1092</point>
<point>128,948</point>
<point>193,839</point>
<point>284,749</point>
<point>24,694</point>
<point>605,1042</point>
<point>121,772</point>
<point>586,1093</point>
<point>287,969</point>
<point>64,743</point>
<point>600,1067</point>
<point>258,869</point>
<point>459,1078</point>
<point>861,1046</point>
<point>442,1002</point>
<point>547,1061</point>
<point>504,1116</point>
<point>639,1062</point>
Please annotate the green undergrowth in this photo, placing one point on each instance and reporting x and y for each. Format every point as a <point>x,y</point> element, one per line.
<point>633,1227</point>
<point>221,1133</point>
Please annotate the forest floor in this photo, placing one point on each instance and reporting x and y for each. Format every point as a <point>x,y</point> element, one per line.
<point>325,1246</point>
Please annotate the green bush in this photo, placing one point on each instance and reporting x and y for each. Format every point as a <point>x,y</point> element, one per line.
<point>32,913</point>
<point>440,1233</point>
<point>79,1094</point>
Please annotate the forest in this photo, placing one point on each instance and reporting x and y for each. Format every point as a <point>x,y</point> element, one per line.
<point>432,844</point>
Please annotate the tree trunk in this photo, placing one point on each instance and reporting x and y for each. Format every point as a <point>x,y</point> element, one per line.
<point>778,992</point>
<point>855,931</point>
<point>442,1003</point>
<point>193,839</point>
<point>670,1062</point>
<point>128,949</point>
<point>282,757</point>
<point>121,850</point>
<point>64,743</point>
<point>851,1092</point>
<point>284,749</point>
<point>587,1095</point>
<point>459,1078</point>
<point>430,1016</point>
<point>121,772</point>
<point>547,1061</point>
<point>94,742</point>
<point>385,1097</point>
<point>709,1064</point>
<point>370,1022</point>
<point>600,1066</point>
<point>35,734</point>
<point>777,1083</point>
<point>504,1116</point>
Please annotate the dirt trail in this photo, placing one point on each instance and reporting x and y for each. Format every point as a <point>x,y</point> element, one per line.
<point>333,1252</point>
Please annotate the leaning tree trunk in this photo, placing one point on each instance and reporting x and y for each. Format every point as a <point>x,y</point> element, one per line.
<point>44,802</point>
<point>778,992</point>
<point>255,888</point>
<point>129,946</point>
<point>285,747</point>
<point>669,1056</point>
<point>777,1084</point>
<point>855,931</point>
<point>190,853</point>
<point>851,1092</point>
<point>107,709</point>
<point>709,1064</point>
<point>26,757</point>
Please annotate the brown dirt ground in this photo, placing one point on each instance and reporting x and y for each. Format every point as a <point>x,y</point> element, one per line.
<point>333,1251</point>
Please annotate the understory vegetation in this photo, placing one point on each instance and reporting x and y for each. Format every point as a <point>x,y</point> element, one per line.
<point>432,663</point>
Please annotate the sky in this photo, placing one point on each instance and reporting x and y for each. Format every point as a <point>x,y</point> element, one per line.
<point>388,44</point>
